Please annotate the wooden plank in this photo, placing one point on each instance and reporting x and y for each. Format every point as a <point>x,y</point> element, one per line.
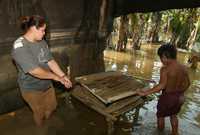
<point>93,106</point>
<point>123,95</point>
<point>113,110</point>
<point>147,80</point>
<point>121,103</point>
<point>121,91</point>
<point>109,87</point>
<point>127,108</point>
<point>118,81</point>
<point>94,93</point>
<point>111,95</point>
<point>121,85</point>
<point>90,78</point>
<point>82,93</point>
<point>85,96</point>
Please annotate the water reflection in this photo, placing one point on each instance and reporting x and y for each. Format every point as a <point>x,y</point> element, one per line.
<point>146,64</point>
<point>114,67</point>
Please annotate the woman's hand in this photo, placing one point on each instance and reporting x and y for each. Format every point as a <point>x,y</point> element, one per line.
<point>66,82</point>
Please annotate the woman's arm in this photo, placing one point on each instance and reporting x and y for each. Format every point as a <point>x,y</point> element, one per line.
<point>55,68</point>
<point>44,74</point>
<point>58,71</point>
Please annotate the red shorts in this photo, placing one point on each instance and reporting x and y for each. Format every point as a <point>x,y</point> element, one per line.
<point>169,104</point>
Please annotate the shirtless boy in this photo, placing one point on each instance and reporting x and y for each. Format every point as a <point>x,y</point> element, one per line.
<point>174,81</point>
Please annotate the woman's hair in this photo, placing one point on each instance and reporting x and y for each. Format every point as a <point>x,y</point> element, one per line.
<point>168,50</point>
<point>29,21</point>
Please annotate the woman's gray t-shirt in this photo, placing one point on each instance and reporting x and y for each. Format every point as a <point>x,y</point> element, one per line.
<point>28,56</point>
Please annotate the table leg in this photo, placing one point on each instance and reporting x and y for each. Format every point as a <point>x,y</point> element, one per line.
<point>137,111</point>
<point>110,125</point>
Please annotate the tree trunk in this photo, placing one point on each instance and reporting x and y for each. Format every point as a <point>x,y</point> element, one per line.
<point>193,34</point>
<point>138,31</point>
<point>123,30</point>
<point>187,28</point>
<point>155,27</point>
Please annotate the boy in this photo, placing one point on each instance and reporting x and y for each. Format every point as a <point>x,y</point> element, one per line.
<point>174,81</point>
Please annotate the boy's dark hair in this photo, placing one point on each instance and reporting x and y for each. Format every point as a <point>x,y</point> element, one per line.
<point>168,50</point>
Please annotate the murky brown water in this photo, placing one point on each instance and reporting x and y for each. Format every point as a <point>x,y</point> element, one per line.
<point>74,118</point>
<point>145,63</point>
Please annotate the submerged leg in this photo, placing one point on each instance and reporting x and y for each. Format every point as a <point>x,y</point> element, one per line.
<point>174,124</point>
<point>38,117</point>
<point>161,123</point>
<point>34,100</point>
<point>49,102</point>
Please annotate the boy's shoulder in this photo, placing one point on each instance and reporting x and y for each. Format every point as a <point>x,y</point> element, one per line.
<point>164,69</point>
<point>182,67</point>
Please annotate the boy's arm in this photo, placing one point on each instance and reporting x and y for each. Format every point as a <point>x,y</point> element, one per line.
<point>158,87</point>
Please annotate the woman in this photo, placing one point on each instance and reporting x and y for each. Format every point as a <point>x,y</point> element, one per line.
<point>36,68</point>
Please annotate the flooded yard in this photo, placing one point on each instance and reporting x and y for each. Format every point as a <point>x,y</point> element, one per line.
<point>146,64</point>
<point>74,118</point>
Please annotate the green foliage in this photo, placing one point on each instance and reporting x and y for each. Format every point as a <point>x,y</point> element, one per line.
<point>134,20</point>
<point>198,33</point>
<point>176,26</point>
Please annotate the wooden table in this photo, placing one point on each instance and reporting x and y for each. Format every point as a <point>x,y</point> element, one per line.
<point>110,94</point>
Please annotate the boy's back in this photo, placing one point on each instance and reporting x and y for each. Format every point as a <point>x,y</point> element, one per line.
<point>177,78</point>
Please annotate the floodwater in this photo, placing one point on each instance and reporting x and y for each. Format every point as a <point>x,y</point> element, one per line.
<point>146,64</point>
<point>74,118</point>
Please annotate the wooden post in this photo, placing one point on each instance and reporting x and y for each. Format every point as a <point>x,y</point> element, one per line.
<point>137,111</point>
<point>110,126</point>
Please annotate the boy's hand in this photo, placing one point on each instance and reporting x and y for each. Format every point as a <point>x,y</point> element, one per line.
<point>141,92</point>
